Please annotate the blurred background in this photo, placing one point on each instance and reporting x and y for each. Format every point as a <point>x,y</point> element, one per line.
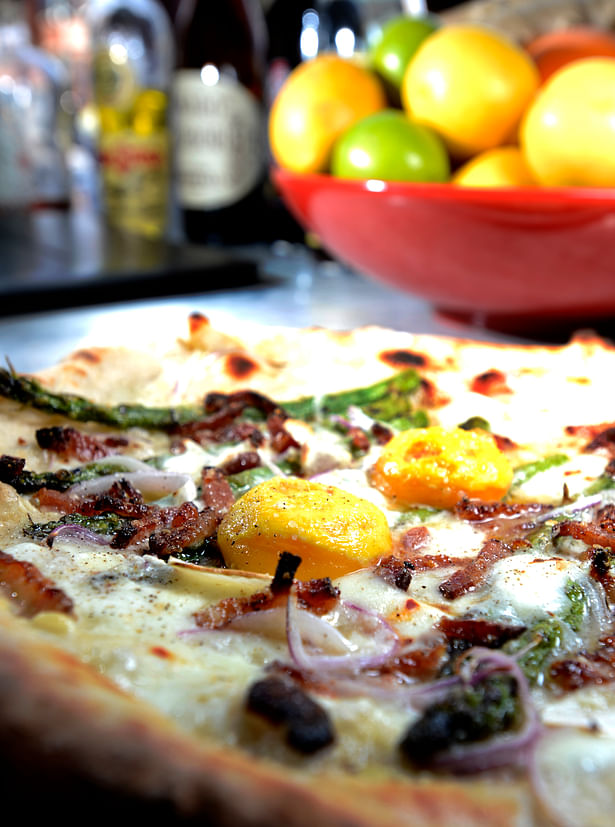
<point>134,157</point>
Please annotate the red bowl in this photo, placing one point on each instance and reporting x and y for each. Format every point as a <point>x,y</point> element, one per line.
<point>526,252</point>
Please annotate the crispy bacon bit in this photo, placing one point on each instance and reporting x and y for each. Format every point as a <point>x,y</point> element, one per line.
<point>359,440</point>
<point>595,668</point>
<point>240,366</point>
<point>216,491</point>
<point>425,562</point>
<point>479,632</point>
<point>221,411</point>
<point>474,573</point>
<point>381,433</point>
<point>229,608</point>
<point>395,572</point>
<point>603,440</point>
<point>475,511</point>
<point>30,589</point>
<point>504,443</point>
<point>490,383</point>
<point>403,358</point>
<point>69,443</point>
<point>240,462</point>
<point>187,528</point>
<point>318,595</point>
<point>591,534</point>
<point>285,573</point>
<point>421,662</point>
<point>239,432</point>
<point>281,440</point>
<point>281,701</point>
<point>411,540</point>
<point>47,498</point>
<point>588,431</point>
<point>237,402</point>
<point>121,498</point>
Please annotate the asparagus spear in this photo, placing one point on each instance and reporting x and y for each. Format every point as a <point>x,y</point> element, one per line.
<point>106,524</point>
<point>13,472</point>
<point>525,472</point>
<point>386,400</point>
<point>29,391</point>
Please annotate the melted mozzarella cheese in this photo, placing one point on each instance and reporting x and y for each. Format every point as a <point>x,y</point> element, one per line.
<point>576,474</point>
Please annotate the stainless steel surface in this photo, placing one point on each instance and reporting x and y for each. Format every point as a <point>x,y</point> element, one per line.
<point>303,291</point>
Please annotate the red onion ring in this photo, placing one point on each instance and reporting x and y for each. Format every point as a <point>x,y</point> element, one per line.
<point>352,663</point>
<point>78,534</point>
<point>150,483</point>
<point>500,750</point>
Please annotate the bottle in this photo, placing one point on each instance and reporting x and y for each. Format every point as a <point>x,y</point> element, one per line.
<point>133,57</point>
<point>220,121</point>
<point>33,170</point>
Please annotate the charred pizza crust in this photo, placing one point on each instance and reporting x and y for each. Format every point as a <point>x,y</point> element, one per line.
<point>64,721</point>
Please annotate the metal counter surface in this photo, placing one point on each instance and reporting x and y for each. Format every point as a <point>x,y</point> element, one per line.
<point>298,290</point>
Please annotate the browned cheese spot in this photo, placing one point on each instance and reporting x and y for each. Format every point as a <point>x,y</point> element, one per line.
<point>196,322</point>
<point>403,358</point>
<point>88,356</point>
<point>490,383</point>
<point>240,366</point>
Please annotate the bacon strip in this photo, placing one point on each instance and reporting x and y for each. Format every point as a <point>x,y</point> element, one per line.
<point>411,540</point>
<point>169,530</point>
<point>594,668</point>
<point>474,573</point>
<point>475,511</point>
<point>69,443</point>
<point>318,596</point>
<point>30,589</point>
<point>223,409</point>
<point>395,572</point>
<point>591,534</point>
<point>216,491</point>
<point>281,439</point>
<point>479,632</point>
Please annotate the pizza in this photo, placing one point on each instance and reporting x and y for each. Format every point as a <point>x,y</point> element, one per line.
<point>260,576</point>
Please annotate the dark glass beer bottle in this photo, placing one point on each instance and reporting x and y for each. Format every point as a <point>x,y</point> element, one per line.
<point>220,121</point>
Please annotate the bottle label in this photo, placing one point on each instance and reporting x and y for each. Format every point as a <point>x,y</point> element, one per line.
<point>135,172</point>
<point>219,141</point>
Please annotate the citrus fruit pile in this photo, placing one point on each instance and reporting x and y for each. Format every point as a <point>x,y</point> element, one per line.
<point>455,102</point>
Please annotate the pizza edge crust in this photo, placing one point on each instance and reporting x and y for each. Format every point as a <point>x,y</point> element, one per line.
<point>63,721</point>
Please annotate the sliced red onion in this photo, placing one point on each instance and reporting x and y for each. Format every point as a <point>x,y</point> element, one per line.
<point>384,639</point>
<point>151,483</point>
<point>313,628</point>
<point>123,463</point>
<point>78,534</point>
<point>578,505</point>
<point>359,419</point>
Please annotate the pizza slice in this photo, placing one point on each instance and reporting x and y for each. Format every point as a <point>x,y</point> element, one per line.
<point>362,576</point>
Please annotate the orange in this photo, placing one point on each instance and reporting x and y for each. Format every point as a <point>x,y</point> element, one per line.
<point>504,166</point>
<point>470,84</point>
<point>319,101</point>
<point>552,50</point>
<point>568,132</point>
